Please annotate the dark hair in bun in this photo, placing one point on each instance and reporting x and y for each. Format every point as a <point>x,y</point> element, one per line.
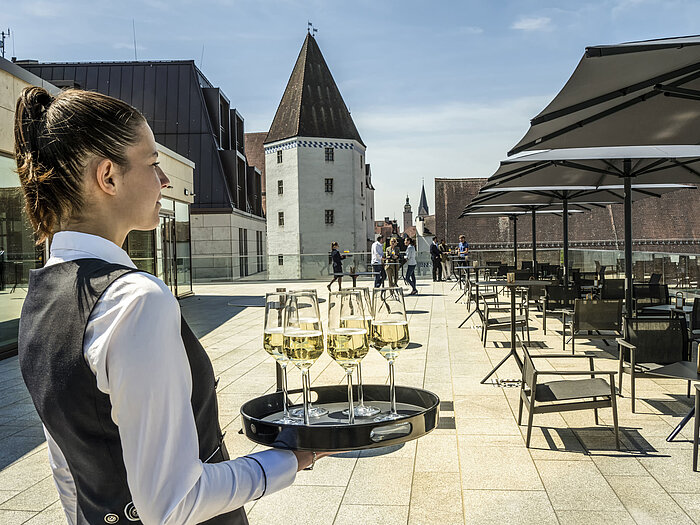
<point>56,137</point>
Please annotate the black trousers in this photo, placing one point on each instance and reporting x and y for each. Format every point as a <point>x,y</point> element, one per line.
<point>437,270</point>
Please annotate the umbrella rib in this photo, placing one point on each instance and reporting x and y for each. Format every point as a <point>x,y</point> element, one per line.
<point>519,172</point>
<point>685,166</point>
<point>616,94</point>
<point>584,167</point>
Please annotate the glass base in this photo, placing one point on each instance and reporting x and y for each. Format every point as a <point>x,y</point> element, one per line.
<point>313,412</point>
<point>363,411</point>
<point>387,417</point>
<point>288,421</point>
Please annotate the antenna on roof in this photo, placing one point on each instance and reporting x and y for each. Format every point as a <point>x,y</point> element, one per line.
<point>3,35</point>
<point>133,27</point>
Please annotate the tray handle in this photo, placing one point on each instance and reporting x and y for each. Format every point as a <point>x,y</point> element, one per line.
<point>392,431</point>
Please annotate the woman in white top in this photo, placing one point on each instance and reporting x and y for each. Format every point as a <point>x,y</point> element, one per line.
<point>89,172</point>
<point>411,265</point>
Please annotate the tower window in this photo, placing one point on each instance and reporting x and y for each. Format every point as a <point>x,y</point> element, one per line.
<point>362,189</point>
<point>329,185</point>
<point>280,218</point>
<point>279,156</point>
<point>329,216</point>
<point>329,154</point>
<point>280,260</point>
<point>280,187</point>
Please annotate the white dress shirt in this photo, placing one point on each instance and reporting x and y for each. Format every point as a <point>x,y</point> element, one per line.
<point>133,346</point>
<point>411,255</point>
<point>377,253</point>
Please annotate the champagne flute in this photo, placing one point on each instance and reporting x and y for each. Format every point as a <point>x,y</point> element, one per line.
<point>347,344</point>
<point>303,338</point>
<point>362,410</point>
<point>313,411</point>
<point>273,343</point>
<point>389,334</point>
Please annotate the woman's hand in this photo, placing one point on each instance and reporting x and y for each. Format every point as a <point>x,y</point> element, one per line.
<point>305,458</point>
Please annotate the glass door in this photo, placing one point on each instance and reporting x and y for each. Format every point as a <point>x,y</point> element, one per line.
<point>165,252</point>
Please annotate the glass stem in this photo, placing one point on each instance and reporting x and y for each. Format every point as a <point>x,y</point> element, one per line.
<point>351,408</point>
<point>392,389</point>
<point>306,386</point>
<point>360,393</point>
<point>284,389</point>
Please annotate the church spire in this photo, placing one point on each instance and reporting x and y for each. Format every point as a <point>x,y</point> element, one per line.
<point>312,105</point>
<point>423,205</point>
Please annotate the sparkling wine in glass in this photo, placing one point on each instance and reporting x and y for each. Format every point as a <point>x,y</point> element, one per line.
<point>389,334</point>
<point>362,410</point>
<point>303,338</point>
<point>347,336</point>
<point>273,343</point>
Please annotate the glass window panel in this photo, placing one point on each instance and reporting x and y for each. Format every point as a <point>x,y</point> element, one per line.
<point>182,247</point>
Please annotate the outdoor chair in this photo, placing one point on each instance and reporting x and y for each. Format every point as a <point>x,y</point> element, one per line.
<point>590,317</point>
<point>696,428</point>
<point>644,295</point>
<point>557,302</point>
<point>649,343</point>
<point>527,265</point>
<point>484,295</point>
<point>488,321</point>
<point>567,394</point>
<point>655,278</point>
<point>695,322</point>
<point>613,289</point>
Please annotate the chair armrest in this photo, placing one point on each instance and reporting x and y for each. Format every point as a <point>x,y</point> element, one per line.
<point>575,372</point>
<point>624,343</point>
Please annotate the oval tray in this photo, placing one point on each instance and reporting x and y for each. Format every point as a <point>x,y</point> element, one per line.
<point>419,409</point>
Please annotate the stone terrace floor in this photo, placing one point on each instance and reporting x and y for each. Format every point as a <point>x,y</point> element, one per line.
<point>476,470</point>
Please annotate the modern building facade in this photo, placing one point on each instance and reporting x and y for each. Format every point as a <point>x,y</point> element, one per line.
<point>194,118</point>
<point>164,252</point>
<point>316,175</point>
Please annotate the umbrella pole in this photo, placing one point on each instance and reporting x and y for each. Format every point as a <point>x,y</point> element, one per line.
<point>515,241</point>
<point>565,202</point>
<point>534,246</point>
<point>627,168</point>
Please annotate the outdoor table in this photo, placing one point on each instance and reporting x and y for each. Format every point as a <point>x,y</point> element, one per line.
<point>512,286</point>
<point>678,370</point>
<point>460,279</point>
<point>355,275</point>
<point>670,308</point>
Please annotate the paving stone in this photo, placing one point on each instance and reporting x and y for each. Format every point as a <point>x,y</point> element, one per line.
<point>512,507</point>
<point>498,468</point>
<point>374,514</point>
<point>594,517</point>
<point>647,502</point>
<point>436,498</point>
<point>307,504</point>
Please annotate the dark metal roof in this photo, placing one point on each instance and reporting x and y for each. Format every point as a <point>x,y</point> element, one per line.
<point>312,105</point>
<point>423,205</point>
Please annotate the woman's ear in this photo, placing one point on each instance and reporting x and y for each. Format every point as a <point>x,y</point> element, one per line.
<point>104,176</point>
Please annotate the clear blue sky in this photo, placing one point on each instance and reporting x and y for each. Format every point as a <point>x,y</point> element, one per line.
<point>436,89</point>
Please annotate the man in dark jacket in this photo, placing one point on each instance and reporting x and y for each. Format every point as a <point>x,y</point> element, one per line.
<point>435,257</point>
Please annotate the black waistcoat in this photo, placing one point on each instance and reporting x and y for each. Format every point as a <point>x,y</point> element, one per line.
<point>65,394</point>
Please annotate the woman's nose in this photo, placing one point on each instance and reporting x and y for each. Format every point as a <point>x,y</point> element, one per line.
<point>164,180</point>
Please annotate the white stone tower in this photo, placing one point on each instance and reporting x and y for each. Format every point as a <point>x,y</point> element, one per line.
<point>316,174</point>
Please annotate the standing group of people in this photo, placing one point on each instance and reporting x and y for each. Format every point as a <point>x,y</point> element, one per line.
<point>386,263</point>
<point>440,257</point>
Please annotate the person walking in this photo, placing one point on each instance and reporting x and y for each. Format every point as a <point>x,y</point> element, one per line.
<point>411,265</point>
<point>435,258</point>
<point>377,262</point>
<point>337,260</point>
<point>445,259</point>
<point>392,261</point>
<point>124,389</point>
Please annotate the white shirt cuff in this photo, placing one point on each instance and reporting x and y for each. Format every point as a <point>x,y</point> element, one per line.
<point>279,466</point>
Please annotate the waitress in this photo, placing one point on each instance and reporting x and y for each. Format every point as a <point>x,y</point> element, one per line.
<point>125,391</point>
<point>337,260</point>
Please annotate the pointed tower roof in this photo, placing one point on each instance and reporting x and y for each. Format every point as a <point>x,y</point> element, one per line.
<point>423,206</point>
<point>312,105</point>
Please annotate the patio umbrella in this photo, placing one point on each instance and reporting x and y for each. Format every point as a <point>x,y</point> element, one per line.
<point>654,170</point>
<point>513,212</point>
<point>636,93</point>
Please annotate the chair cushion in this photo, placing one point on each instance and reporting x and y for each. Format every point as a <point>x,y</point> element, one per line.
<point>572,389</point>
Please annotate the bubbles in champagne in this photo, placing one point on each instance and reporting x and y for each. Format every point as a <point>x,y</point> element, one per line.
<point>273,343</point>
<point>303,347</point>
<point>389,337</point>
<point>347,346</point>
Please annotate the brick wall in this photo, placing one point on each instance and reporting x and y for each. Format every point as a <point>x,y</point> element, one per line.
<point>661,224</point>
<point>255,154</point>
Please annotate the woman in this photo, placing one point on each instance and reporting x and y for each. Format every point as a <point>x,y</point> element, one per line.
<point>392,261</point>
<point>411,265</point>
<point>123,388</point>
<point>337,260</point>
<point>445,259</point>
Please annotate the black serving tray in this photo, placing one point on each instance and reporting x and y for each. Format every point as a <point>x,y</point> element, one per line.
<point>419,409</point>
